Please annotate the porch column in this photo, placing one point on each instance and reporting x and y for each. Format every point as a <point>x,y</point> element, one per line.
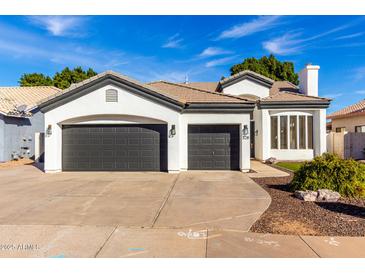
<point>265,134</point>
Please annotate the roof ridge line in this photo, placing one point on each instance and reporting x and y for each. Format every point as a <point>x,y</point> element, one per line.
<point>244,72</point>
<point>303,95</point>
<point>206,91</point>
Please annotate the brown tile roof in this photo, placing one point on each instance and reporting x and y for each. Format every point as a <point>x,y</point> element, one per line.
<point>13,97</point>
<point>186,94</point>
<point>286,96</point>
<point>355,109</point>
<point>176,92</point>
<point>208,86</point>
<point>279,86</point>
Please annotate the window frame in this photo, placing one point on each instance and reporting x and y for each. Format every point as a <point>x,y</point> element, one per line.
<point>360,126</point>
<point>308,143</point>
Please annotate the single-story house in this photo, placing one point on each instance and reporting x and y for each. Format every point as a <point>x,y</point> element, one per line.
<point>112,122</point>
<point>349,119</point>
<point>20,119</point>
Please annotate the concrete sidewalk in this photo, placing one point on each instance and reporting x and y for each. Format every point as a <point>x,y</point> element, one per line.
<point>113,242</point>
<point>262,170</point>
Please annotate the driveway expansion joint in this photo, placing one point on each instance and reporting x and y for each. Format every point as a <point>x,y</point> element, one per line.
<point>319,256</point>
<point>165,201</point>
<point>107,239</point>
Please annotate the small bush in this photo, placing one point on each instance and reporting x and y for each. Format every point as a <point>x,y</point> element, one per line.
<point>331,172</point>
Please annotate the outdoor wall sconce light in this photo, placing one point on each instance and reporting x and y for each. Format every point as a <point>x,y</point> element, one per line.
<point>173,131</point>
<point>49,130</point>
<point>245,132</point>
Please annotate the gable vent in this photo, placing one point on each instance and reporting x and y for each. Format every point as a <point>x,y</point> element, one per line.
<point>111,95</point>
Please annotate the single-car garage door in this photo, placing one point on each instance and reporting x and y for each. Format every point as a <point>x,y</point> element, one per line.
<point>213,147</point>
<point>114,147</point>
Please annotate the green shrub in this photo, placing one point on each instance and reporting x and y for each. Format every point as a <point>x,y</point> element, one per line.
<point>331,172</point>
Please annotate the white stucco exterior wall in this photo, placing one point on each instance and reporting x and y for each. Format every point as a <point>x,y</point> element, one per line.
<point>131,108</point>
<point>319,132</point>
<point>308,80</point>
<point>247,86</point>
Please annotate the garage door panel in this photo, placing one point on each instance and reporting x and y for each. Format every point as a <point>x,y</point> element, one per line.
<point>213,147</point>
<point>114,147</point>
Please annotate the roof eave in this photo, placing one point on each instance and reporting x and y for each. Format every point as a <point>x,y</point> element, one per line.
<point>292,104</point>
<point>357,113</point>
<point>219,107</point>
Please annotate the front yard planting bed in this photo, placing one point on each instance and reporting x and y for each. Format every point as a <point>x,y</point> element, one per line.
<point>291,216</point>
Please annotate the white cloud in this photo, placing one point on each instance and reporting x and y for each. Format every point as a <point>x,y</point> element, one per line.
<point>219,62</point>
<point>173,42</point>
<point>59,25</point>
<point>172,76</point>
<point>333,95</point>
<point>259,24</point>
<point>349,36</point>
<point>67,54</point>
<point>293,43</point>
<point>288,44</point>
<point>360,91</point>
<point>212,51</point>
<point>359,73</point>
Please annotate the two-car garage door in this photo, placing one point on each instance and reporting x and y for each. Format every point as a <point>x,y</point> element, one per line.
<point>114,147</point>
<point>138,147</point>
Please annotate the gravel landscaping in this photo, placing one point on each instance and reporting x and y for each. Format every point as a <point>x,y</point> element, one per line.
<point>291,216</point>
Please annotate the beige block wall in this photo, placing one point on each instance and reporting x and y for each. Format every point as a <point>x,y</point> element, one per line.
<point>349,123</point>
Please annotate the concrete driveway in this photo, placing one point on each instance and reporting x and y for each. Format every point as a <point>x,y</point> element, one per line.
<point>130,200</point>
<point>193,214</point>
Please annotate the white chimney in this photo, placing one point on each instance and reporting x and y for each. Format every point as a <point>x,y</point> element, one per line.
<point>308,80</point>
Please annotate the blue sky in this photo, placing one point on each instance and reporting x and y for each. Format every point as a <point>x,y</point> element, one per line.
<point>170,47</point>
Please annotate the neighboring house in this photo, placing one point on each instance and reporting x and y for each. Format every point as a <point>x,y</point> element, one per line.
<point>20,119</point>
<point>112,122</point>
<point>349,119</point>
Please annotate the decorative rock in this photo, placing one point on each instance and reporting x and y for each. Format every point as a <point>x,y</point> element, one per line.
<point>271,161</point>
<point>326,195</point>
<point>308,196</point>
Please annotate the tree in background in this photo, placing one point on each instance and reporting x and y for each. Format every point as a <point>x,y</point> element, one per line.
<point>35,79</point>
<point>61,80</point>
<point>269,67</point>
<point>67,77</point>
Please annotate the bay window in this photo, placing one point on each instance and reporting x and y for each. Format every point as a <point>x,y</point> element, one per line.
<point>274,132</point>
<point>283,132</point>
<point>310,132</point>
<point>302,130</point>
<point>291,132</point>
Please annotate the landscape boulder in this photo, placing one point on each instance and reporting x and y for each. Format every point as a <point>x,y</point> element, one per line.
<point>326,195</point>
<point>271,161</point>
<point>322,195</point>
<point>308,195</point>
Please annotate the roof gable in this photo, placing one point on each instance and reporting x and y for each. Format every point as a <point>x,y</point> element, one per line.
<point>243,75</point>
<point>165,96</point>
<point>108,78</point>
